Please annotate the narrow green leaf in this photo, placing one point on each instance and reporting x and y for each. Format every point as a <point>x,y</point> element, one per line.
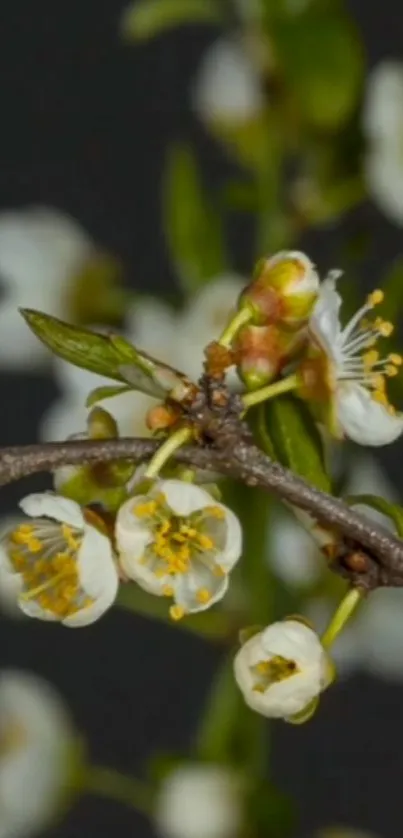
<point>321,56</point>
<point>193,227</point>
<point>145,19</point>
<point>296,440</point>
<point>390,510</point>
<point>101,393</point>
<point>108,355</point>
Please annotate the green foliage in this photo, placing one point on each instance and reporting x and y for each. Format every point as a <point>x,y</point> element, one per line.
<point>105,354</point>
<point>193,227</point>
<point>296,440</point>
<point>101,393</point>
<point>147,18</point>
<point>321,58</point>
<point>390,510</point>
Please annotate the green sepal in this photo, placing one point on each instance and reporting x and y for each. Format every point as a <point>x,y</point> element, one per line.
<point>390,510</point>
<point>296,440</point>
<point>304,715</point>
<point>86,488</point>
<point>146,19</point>
<point>101,393</point>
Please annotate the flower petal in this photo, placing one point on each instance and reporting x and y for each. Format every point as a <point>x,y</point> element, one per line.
<point>184,498</point>
<point>98,577</point>
<point>325,321</point>
<point>50,505</point>
<point>187,585</point>
<point>233,546</point>
<point>365,420</point>
<point>384,176</point>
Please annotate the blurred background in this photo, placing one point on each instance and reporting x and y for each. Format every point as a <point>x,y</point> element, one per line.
<point>90,114</point>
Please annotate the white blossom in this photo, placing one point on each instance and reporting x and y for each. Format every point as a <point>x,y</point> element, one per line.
<point>175,541</point>
<point>9,583</point>
<point>383,126</point>
<point>41,252</point>
<point>351,376</point>
<point>282,669</point>
<point>199,800</point>
<point>150,326</point>
<point>35,737</point>
<point>203,320</point>
<point>62,560</point>
<point>227,89</point>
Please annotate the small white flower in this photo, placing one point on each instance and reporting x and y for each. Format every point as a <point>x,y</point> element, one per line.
<point>347,372</point>
<point>227,89</point>
<point>199,801</point>
<point>63,563</point>
<point>150,326</point>
<point>35,736</point>
<point>383,125</point>
<point>41,251</point>
<point>282,669</point>
<point>203,320</point>
<point>175,541</point>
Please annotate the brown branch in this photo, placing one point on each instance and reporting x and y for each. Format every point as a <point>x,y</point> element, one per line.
<point>241,460</point>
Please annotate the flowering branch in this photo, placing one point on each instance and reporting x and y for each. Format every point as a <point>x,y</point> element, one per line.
<point>370,557</point>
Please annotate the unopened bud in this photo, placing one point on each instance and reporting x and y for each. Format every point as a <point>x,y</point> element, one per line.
<point>263,351</point>
<point>101,424</point>
<point>284,290</point>
<point>161,417</point>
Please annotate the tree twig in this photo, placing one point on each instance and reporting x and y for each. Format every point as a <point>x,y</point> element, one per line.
<point>241,460</point>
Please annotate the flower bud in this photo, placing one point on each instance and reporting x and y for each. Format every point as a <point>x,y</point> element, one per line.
<point>263,351</point>
<point>284,290</point>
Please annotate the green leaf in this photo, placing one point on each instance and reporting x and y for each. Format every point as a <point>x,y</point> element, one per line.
<point>321,57</point>
<point>193,227</point>
<point>390,510</point>
<point>109,355</point>
<point>147,18</point>
<point>101,393</point>
<point>296,440</point>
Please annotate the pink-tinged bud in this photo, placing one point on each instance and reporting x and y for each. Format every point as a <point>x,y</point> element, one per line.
<point>283,291</point>
<point>262,352</point>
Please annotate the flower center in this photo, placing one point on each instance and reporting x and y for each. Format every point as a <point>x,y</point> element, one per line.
<point>180,542</point>
<point>269,672</point>
<point>359,360</point>
<point>44,553</point>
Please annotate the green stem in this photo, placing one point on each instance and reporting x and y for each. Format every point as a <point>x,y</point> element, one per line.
<point>240,319</point>
<point>341,616</point>
<point>175,441</point>
<point>106,782</point>
<point>271,390</point>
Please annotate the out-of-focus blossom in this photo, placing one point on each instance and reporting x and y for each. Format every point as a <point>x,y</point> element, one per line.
<point>63,561</point>
<point>150,326</point>
<point>345,377</point>
<point>41,252</point>
<point>176,541</point>
<point>293,555</point>
<point>383,126</point>
<point>282,669</point>
<point>199,800</point>
<point>203,320</point>
<point>227,90</point>
<point>35,739</point>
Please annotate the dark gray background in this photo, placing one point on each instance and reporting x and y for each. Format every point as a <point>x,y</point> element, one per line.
<point>84,123</point>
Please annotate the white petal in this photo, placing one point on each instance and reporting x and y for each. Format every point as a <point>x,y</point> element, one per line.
<point>98,577</point>
<point>36,772</point>
<point>199,800</point>
<point>325,321</point>
<point>50,505</point>
<point>184,498</point>
<point>384,175</point>
<point>233,546</point>
<point>292,640</point>
<point>131,533</point>
<point>143,576</point>
<point>32,609</point>
<point>383,108</point>
<point>186,586</point>
<point>227,86</point>
<point>347,650</point>
<point>365,420</point>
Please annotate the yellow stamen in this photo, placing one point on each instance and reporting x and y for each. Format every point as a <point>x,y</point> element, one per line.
<point>168,590</point>
<point>377,296</point>
<point>145,510</point>
<point>176,612</point>
<point>205,541</point>
<point>384,327</point>
<point>218,570</point>
<point>396,359</point>
<point>215,512</point>
<point>203,595</point>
